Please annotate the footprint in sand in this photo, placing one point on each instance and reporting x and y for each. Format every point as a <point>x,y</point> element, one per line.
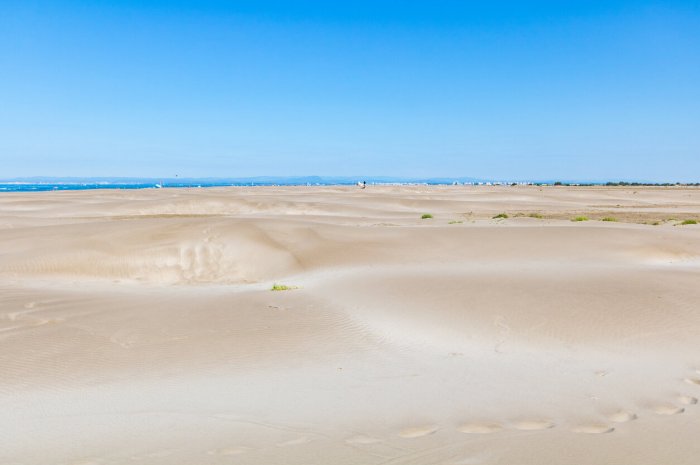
<point>417,432</point>
<point>479,428</point>
<point>362,439</point>
<point>687,400</point>
<point>152,455</point>
<point>295,442</point>
<point>125,339</point>
<point>667,409</point>
<point>229,451</point>
<point>593,428</point>
<point>161,453</point>
<point>533,425</point>
<point>622,416</point>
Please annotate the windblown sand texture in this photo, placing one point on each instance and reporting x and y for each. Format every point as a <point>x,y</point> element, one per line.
<point>138,327</point>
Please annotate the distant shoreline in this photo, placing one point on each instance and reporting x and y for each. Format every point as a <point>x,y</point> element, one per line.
<point>65,184</point>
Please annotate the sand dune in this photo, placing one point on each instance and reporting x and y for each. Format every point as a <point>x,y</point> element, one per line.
<point>139,326</point>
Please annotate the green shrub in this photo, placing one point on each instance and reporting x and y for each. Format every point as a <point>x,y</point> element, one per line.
<point>608,218</point>
<point>426,216</point>
<point>580,218</point>
<point>282,287</point>
<point>500,215</point>
<point>535,215</point>
<point>689,222</point>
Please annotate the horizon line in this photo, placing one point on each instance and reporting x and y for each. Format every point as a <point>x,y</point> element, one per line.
<point>325,179</point>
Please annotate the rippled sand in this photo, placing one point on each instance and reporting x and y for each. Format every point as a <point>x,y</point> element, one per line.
<point>139,326</point>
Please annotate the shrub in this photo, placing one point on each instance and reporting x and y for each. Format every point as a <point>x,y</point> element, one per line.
<point>500,215</point>
<point>535,215</point>
<point>608,218</point>
<point>426,216</point>
<point>580,218</point>
<point>689,222</point>
<point>455,222</point>
<point>282,287</point>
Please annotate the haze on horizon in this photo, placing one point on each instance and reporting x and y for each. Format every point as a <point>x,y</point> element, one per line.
<point>508,90</point>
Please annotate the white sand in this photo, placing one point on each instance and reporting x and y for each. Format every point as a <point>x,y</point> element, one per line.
<point>138,326</point>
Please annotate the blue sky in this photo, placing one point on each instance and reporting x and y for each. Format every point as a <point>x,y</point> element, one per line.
<point>508,90</point>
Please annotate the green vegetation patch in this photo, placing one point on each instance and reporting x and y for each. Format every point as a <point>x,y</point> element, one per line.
<point>580,218</point>
<point>282,287</point>
<point>609,218</point>
<point>426,216</point>
<point>536,215</point>
<point>455,222</point>
<point>500,215</point>
<point>689,222</point>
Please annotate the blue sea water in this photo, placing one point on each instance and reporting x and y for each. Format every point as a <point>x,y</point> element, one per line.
<point>43,187</point>
<point>57,184</point>
<point>39,187</point>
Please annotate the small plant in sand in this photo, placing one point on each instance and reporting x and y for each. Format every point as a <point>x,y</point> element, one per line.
<point>426,216</point>
<point>536,215</point>
<point>609,218</point>
<point>282,287</point>
<point>580,218</point>
<point>455,222</point>
<point>689,222</point>
<point>500,216</point>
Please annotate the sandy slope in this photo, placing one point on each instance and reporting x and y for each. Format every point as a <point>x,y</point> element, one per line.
<point>138,326</point>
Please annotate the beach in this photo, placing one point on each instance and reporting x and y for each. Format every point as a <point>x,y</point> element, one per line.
<point>529,325</point>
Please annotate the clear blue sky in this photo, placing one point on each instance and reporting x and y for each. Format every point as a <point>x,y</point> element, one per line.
<point>495,89</point>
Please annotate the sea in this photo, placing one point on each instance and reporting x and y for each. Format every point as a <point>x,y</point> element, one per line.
<point>48,186</point>
<point>72,184</point>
